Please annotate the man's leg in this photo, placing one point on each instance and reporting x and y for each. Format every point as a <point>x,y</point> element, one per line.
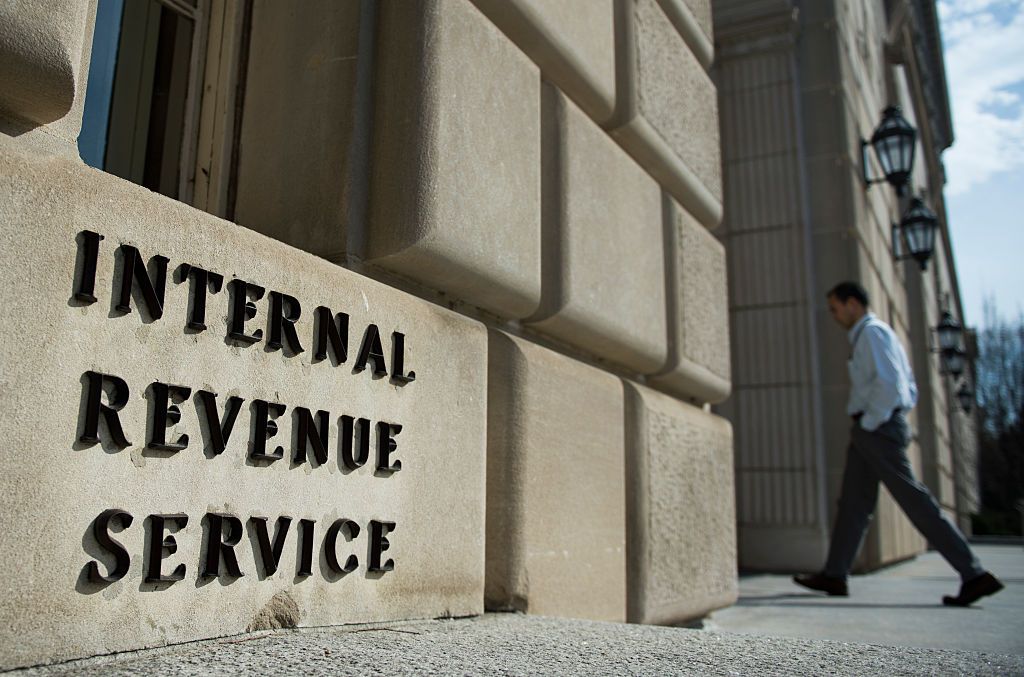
<point>856,505</point>
<point>886,451</point>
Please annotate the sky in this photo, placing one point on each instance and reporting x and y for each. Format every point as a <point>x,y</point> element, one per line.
<point>984,49</point>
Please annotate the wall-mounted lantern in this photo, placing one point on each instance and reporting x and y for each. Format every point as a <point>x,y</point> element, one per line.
<point>949,332</point>
<point>914,236</point>
<point>965,396</point>
<point>949,335</point>
<point>953,362</point>
<point>893,143</point>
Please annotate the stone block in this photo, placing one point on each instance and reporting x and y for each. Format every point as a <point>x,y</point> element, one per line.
<point>602,223</point>
<point>44,61</point>
<point>667,112</point>
<point>692,18</point>
<point>455,181</point>
<point>66,466</point>
<point>698,365</point>
<point>299,169</point>
<point>701,11</point>
<point>675,97</point>
<point>556,523</point>
<point>680,510</point>
<point>572,41</point>
<point>40,53</point>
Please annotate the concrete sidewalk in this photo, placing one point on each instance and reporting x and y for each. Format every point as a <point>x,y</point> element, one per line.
<point>512,644</point>
<point>893,624</point>
<point>898,606</point>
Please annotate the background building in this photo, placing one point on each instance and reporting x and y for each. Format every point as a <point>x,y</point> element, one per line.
<point>801,84</point>
<point>511,199</point>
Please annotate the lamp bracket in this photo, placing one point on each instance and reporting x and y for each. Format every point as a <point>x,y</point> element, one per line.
<point>865,166</point>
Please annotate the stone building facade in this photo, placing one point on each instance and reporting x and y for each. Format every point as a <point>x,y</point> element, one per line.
<point>360,311</point>
<point>801,84</point>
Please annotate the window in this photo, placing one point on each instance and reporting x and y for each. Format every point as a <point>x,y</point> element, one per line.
<point>160,103</point>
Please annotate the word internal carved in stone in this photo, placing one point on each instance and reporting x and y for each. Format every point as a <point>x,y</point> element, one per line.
<point>330,335</point>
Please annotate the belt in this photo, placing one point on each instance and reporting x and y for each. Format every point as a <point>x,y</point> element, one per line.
<point>860,414</point>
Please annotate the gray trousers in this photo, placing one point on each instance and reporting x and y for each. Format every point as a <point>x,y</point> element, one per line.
<point>881,455</point>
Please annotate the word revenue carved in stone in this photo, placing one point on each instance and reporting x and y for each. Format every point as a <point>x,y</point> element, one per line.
<point>310,430</point>
<point>221,534</point>
<point>330,332</point>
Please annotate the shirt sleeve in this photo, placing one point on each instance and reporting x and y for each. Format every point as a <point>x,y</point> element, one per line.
<point>883,387</point>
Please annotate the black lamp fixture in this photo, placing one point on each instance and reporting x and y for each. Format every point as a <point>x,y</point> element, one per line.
<point>953,362</point>
<point>949,334</point>
<point>965,396</point>
<point>914,236</point>
<point>893,143</point>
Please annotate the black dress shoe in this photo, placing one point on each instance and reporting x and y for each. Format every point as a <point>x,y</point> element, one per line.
<point>834,587</point>
<point>974,589</point>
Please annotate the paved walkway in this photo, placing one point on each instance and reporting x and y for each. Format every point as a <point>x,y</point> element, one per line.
<point>893,624</point>
<point>511,644</point>
<point>898,606</point>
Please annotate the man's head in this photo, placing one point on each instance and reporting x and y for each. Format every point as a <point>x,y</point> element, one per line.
<point>848,302</point>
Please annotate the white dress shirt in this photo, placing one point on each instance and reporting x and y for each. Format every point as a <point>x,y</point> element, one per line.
<point>880,377</point>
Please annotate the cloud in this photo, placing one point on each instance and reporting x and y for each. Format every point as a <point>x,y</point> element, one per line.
<point>984,50</point>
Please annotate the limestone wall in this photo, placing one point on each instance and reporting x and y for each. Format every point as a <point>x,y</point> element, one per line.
<point>472,239</point>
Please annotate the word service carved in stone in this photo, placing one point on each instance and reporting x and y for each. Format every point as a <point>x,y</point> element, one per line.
<point>222,532</point>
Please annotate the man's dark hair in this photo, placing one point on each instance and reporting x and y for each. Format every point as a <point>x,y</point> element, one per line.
<point>845,291</point>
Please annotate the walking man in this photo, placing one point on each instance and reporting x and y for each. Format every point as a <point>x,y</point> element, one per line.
<point>882,391</point>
